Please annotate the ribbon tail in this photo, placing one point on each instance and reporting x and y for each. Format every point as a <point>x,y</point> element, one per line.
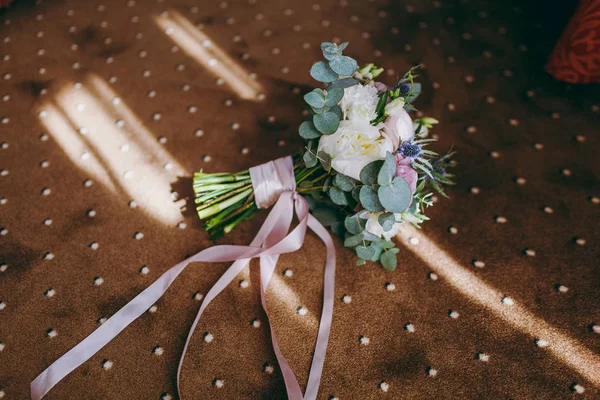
<point>316,369</point>
<point>273,230</point>
<point>104,334</point>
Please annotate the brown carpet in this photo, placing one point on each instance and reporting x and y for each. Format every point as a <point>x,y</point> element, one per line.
<point>108,107</point>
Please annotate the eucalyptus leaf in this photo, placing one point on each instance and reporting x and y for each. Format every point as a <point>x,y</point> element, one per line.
<point>388,260</point>
<point>369,199</point>
<point>327,216</point>
<point>338,228</point>
<point>344,66</point>
<point>386,244</point>
<point>343,83</point>
<point>343,46</point>
<point>327,45</point>
<point>334,95</point>
<point>368,175</point>
<point>327,123</point>
<point>312,203</point>
<point>356,193</point>
<point>327,184</point>
<point>325,160</point>
<point>338,111</point>
<point>353,240</point>
<point>387,221</point>
<point>314,99</point>
<point>360,262</point>
<point>371,237</point>
<point>355,224</point>
<point>310,159</point>
<point>308,131</point>
<point>338,196</point>
<point>322,72</point>
<point>365,252</point>
<point>377,252</point>
<point>388,170</point>
<point>395,197</point>
<point>344,182</point>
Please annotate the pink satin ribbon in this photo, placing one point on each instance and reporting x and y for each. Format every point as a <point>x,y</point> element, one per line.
<point>276,180</point>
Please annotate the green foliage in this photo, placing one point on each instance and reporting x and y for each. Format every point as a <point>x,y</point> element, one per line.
<point>388,259</point>
<point>369,199</point>
<point>395,197</point>
<point>334,95</point>
<point>355,224</point>
<point>322,72</point>
<point>344,182</point>
<point>327,123</point>
<point>315,99</point>
<point>354,240</point>
<point>387,221</point>
<point>308,131</point>
<point>342,65</point>
<point>368,175</point>
<point>388,170</point>
<point>327,216</point>
<point>338,111</point>
<point>325,160</point>
<point>343,83</point>
<point>309,157</point>
<point>338,196</point>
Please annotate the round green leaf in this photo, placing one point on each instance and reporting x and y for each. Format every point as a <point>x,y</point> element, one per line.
<point>355,224</point>
<point>343,65</point>
<point>369,199</point>
<point>387,221</point>
<point>310,160</point>
<point>395,197</point>
<point>337,111</point>
<point>337,196</point>
<point>314,99</point>
<point>343,182</point>
<point>308,131</point>
<point>327,216</point>
<point>334,95</point>
<point>326,123</point>
<point>388,260</point>
<point>368,175</point>
<point>353,240</point>
<point>388,170</point>
<point>322,72</point>
<point>365,252</point>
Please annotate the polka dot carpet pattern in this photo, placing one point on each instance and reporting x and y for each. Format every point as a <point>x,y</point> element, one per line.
<point>107,107</point>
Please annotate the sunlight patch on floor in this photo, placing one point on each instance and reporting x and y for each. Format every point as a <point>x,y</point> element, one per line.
<point>199,46</point>
<point>557,342</point>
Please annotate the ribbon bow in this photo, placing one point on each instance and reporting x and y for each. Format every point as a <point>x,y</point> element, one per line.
<point>273,181</point>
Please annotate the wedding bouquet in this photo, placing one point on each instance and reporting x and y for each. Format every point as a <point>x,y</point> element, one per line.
<point>364,170</point>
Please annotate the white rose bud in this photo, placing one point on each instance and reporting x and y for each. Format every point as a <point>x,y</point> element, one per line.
<point>394,106</point>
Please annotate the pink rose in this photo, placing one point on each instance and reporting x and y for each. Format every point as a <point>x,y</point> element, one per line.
<point>405,171</point>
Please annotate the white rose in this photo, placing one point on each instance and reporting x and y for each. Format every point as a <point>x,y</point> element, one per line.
<point>373,226</point>
<point>355,144</point>
<point>360,102</point>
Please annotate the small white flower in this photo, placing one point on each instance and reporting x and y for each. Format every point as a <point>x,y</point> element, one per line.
<point>394,107</point>
<point>360,102</point>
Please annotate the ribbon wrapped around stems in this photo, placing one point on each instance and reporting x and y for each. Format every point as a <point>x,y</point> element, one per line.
<point>273,181</point>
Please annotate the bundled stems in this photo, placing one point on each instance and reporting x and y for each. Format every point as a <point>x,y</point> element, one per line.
<point>224,200</point>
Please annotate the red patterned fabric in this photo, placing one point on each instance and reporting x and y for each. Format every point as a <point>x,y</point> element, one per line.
<point>576,57</point>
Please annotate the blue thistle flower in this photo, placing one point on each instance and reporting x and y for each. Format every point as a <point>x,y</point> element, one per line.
<point>410,150</point>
